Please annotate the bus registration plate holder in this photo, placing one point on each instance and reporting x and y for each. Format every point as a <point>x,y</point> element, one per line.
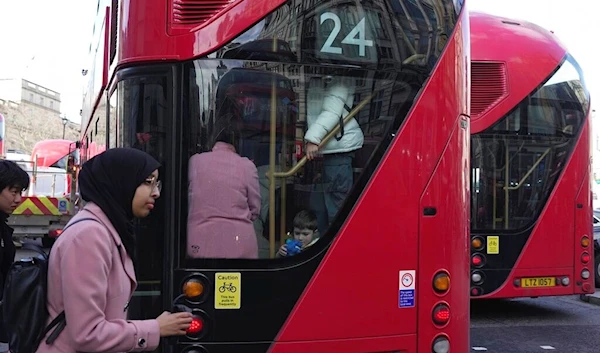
<point>535,282</point>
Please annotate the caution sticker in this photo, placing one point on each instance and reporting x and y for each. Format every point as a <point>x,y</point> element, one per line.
<point>493,245</point>
<point>228,289</point>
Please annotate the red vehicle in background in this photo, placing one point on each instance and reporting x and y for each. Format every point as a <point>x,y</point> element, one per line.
<point>531,218</point>
<point>382,277</point>
<point>2,136</point>
<point>49,202</point>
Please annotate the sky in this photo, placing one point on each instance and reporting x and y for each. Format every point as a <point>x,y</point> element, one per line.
<point>49,45</point>
<point>574,22</point>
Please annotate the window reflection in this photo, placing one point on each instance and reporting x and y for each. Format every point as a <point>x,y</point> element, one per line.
<point>263,121</point>
<point>329,83</point>
<point>516,162</point>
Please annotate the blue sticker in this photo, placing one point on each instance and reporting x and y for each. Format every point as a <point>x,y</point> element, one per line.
<point>406,298</point>
<point>62,206</point>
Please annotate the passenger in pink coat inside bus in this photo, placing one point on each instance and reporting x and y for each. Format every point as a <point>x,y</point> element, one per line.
<point>91,271</point>
<point>224,199</point>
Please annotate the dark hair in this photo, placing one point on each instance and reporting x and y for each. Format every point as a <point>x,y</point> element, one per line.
<point>12,176</point>
<point>227,129</point>
<point>306,219</point>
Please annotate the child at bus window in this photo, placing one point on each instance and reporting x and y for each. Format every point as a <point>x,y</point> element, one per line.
<point>306,232</point>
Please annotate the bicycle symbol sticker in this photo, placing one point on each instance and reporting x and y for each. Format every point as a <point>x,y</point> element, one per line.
<point>227,287</point>
<point>228,290</point>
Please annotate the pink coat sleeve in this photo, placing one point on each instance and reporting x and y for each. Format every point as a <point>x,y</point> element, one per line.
<point>85,266</point>
<point>253,191</point>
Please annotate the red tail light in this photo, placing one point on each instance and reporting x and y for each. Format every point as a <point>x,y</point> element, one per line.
<point>196,326</point>
<point>585,258</point>
<point>441,314</point>
<point>55,233</point>
<point>477,260</point>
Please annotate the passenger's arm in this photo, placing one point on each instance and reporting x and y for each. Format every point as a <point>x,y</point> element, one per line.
<point>333,107</point>
<point>253,191</point>
<point>85,266</point>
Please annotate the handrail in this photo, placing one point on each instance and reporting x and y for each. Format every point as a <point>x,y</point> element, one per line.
<point>528,172</point>
<point>326,139</point>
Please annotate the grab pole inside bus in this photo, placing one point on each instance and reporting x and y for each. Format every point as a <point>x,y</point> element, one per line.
<point>285,174</point>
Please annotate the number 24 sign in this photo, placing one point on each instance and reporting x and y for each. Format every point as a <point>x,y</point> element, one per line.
<point>356,36</point>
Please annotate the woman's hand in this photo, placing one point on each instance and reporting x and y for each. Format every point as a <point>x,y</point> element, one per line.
<point>173,324</point>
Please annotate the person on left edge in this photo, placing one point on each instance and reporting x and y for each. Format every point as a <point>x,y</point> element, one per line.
<point>13,180</point>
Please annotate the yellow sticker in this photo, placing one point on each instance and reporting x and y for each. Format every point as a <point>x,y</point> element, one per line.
<point>228,289</point>
<point>493,245</point>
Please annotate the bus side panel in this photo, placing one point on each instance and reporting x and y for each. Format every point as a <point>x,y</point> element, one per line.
<point>584,225</point>
<point>355,291</point>
<point>406,343</point>
<point>550,248</point>
<point>444,241</point>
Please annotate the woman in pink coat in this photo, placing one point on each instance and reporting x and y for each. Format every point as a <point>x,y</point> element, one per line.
<point>224,200</point>
<point>91,273</point>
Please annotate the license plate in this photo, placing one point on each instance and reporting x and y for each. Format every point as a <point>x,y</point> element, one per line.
<point>538,282</point>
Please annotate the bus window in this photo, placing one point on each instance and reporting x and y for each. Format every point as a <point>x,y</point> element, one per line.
<point>251,193</point>
<point>143,101</point>
<point>112,121</point>
<point>520,158</point>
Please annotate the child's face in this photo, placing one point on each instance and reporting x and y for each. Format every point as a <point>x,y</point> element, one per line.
<point>304,235</point>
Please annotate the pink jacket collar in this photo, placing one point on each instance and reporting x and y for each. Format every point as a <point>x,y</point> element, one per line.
<point>223,146</point>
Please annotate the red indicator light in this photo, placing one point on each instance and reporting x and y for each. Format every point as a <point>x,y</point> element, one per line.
<point>55,233</point>
<point>196,326</point>
<point>477,260</point>
<point>585,258</point>
<point>474,291</point>
<point>441,314</point>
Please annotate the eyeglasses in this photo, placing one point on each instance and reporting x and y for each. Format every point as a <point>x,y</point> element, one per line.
<point>154,184</point>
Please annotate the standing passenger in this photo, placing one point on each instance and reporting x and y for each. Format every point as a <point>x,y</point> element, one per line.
<point>329,101</point>
<point>91,273</point>
<point>224,199</point>
<point>13,180</point>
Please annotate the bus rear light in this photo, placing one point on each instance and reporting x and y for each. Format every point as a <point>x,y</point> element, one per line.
<point>441,314</point>
<point>55,233</point>
<point>196,326</point>
<point>585,241</point>
<point>585,257</point>
<point>441,282</point>
<point>441,344</point>
<point>477,277</point>
<point>564,281</point>
<point>477,243</point>
<point>477,260</point>
<point>475,291</point>
<point>193,288</point>
<point>585,273</point>
<point>517,282</point>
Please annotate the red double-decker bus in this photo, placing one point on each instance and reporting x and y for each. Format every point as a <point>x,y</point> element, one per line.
<point>531,218</point>
<point>385,98</point>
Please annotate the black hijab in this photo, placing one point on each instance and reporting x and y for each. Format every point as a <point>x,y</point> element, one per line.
<point>110,180</point>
